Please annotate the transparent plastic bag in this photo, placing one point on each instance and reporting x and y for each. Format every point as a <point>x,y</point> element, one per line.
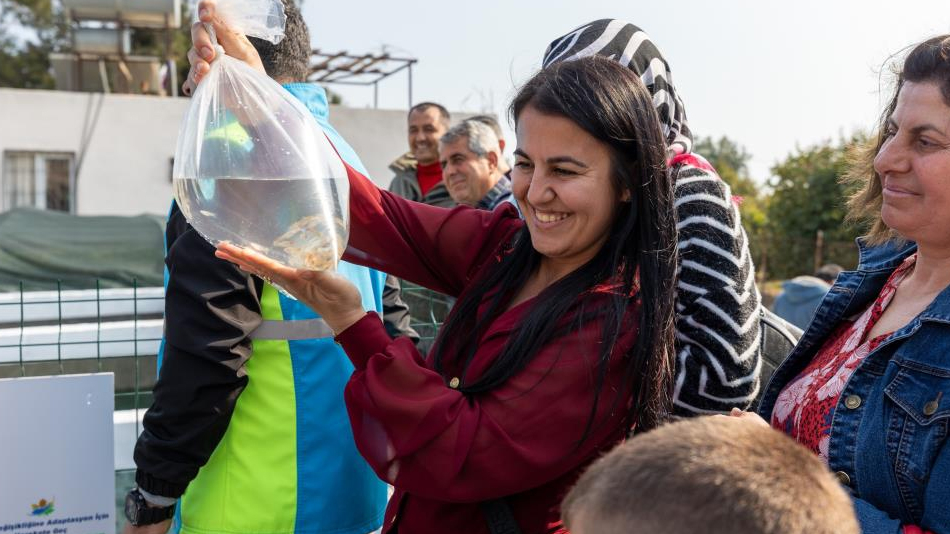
<point>264,19</point>
<point>253,167</point>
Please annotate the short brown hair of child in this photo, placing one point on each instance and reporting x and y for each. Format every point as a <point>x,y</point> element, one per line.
<point>711,475</point>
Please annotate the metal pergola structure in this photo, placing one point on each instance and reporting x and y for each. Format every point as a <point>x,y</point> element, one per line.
<point>344,68</point>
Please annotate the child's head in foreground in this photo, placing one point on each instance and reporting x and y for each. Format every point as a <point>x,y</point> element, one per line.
<point>709,475</point>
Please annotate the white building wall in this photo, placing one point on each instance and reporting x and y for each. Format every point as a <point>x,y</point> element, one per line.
<point>129,142</point>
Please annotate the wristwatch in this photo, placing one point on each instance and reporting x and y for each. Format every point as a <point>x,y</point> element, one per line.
<point>139,513</point>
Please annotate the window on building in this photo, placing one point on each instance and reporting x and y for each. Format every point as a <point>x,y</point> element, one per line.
<point>38,179</point>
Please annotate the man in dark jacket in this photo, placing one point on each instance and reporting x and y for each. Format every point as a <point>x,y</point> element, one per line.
<point>418,175</point>
<point>471,166</point>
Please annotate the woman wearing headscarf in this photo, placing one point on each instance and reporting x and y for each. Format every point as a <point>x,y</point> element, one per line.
<point>717,310</point>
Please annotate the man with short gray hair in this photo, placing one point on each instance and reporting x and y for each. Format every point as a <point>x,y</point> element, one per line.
<point>470,158</point>
<point>492,122</point>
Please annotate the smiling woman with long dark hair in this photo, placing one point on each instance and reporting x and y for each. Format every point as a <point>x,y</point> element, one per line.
<point>562,338</point>
<point>631,259</point>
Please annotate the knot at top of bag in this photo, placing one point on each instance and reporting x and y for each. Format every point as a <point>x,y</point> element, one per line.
<point>218,52</point>
<point>264,19</point>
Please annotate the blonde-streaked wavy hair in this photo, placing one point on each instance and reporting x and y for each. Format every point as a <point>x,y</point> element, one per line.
<point>928,61</point>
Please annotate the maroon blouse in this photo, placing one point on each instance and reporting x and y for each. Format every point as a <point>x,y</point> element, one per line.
<point>443,452</point>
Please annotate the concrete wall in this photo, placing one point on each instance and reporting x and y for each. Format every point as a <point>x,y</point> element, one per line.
<point>377,135</point>
<point>130,141</point>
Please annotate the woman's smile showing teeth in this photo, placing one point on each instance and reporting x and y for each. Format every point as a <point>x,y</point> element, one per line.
<point>548,217</point>
<point>564,183</point>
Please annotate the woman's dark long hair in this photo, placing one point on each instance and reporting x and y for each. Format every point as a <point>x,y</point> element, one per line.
<point>611,104</point>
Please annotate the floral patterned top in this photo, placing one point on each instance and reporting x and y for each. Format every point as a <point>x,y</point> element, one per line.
<point>804,409</point>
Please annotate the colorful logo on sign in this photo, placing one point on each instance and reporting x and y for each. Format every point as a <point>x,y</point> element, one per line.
<point>43,507</point>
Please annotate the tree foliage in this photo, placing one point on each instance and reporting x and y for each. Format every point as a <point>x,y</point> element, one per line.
<point>808,197</point>
<point>803,197</point>
<point>30,30</point>
<point>731,160</point>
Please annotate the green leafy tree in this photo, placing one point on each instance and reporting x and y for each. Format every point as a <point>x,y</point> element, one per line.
<point>807,197</point>
<point>30,30</point>
<point>24,66</point>
<point>731,160</point>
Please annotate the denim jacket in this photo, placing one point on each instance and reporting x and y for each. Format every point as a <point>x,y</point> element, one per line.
<point>888,438</point>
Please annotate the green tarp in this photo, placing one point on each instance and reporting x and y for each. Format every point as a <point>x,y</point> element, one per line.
<point>39,248</point>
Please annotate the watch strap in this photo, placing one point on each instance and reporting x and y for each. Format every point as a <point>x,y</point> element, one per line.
<point>139,513</point>
<point>151,515</point>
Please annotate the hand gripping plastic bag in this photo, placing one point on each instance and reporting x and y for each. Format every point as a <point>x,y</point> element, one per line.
<point>252,166</point>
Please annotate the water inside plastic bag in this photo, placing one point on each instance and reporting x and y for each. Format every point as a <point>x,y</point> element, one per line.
<point>286,220</point>
<point>255,169</point>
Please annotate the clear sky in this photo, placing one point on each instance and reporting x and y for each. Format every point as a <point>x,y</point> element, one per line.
<point>770,75</point>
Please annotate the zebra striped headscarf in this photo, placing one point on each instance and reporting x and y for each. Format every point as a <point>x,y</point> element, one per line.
<point>631,47</point>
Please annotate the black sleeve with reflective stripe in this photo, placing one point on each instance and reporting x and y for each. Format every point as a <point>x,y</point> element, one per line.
<point>211,308</point>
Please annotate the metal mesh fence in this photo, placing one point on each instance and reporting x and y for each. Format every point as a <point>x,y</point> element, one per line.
<point>59,331</point>
<point>55,331</point>
<point>428,310</point>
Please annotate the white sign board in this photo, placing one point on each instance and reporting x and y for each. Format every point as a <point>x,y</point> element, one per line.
<point>56,459</point>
